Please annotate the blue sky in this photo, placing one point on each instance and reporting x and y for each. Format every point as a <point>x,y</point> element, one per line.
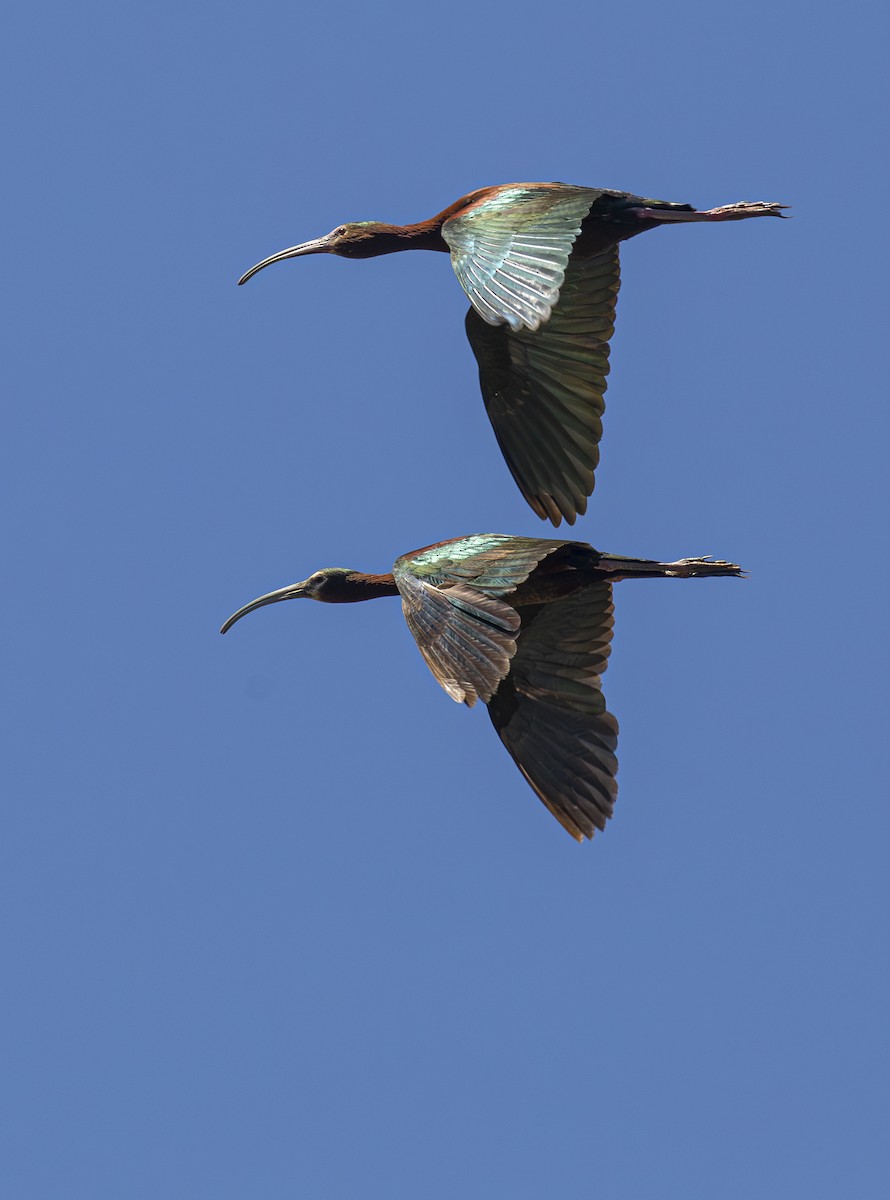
<point>280,919</point>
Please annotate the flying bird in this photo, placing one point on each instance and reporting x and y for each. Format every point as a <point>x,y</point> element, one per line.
<point>525,625</point>
<point>539,263</point>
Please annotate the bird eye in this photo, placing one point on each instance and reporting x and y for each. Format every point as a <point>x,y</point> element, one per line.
<point>341,231</point>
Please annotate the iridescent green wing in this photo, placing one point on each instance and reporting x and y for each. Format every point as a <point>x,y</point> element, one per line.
<point>550,712</point>
<point>510,249</point>
<point>451,598</point>
<point>494,563</point>
<point>543,391</point>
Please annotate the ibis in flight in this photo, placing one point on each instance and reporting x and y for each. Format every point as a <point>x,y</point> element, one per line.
<point>539,264</point>
<point>525,625</point>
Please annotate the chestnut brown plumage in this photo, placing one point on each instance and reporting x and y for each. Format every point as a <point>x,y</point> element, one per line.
<point>525,625</point>
<point>539,263</point>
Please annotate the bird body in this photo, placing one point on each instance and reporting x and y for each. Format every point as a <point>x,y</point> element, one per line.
<point>539,264</point>
<point>525,625</point>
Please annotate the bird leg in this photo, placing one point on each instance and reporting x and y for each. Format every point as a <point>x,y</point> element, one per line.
<point>646,568</point>
<point>726,212</point>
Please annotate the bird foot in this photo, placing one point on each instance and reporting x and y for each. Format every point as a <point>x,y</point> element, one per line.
<point>686,568</point>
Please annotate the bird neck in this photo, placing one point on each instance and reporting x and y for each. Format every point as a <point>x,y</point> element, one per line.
<point>357,586</point>
<point>389,239</point>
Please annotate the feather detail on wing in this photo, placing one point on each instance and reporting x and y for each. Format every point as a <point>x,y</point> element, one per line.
<point>510,250</point>
<point>466,637</point>
<point>494,563</point>
<point>544,391</point>
<point>550,712</point>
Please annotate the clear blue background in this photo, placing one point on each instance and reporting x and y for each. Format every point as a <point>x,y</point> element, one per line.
<point>278,918</point>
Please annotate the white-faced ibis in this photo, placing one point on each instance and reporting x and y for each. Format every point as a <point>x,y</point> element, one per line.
<point>524,624</point>
<point>524,251</point>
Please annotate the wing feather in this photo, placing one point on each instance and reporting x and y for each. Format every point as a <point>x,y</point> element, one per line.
<point>466,637</point>
<point>544,391</point>
<point>550,711</point>
<point>510,250</point>
<point>493,563</point>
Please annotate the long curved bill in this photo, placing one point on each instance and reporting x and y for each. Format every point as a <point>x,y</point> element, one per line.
<point>293,592</point>
<point>316,246</point>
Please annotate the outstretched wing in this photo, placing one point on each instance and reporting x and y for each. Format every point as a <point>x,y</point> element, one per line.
<point>453,600</point>
<point>466,637</point>
<point>510,249</point>
<point>550,712</point>
<point>543,391</point>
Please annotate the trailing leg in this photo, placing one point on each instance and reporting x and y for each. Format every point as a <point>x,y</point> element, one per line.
<point>726,212</point>
<point>647,568</point>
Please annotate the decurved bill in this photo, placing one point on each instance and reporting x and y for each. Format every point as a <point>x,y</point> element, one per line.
<point>316,246</point>
<point>292,592</point>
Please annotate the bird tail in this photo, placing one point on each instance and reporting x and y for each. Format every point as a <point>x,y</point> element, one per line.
<point>684,568</point>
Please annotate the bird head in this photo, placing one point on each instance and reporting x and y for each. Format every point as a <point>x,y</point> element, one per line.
<point>330,585</point>
<point>358,239</point>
